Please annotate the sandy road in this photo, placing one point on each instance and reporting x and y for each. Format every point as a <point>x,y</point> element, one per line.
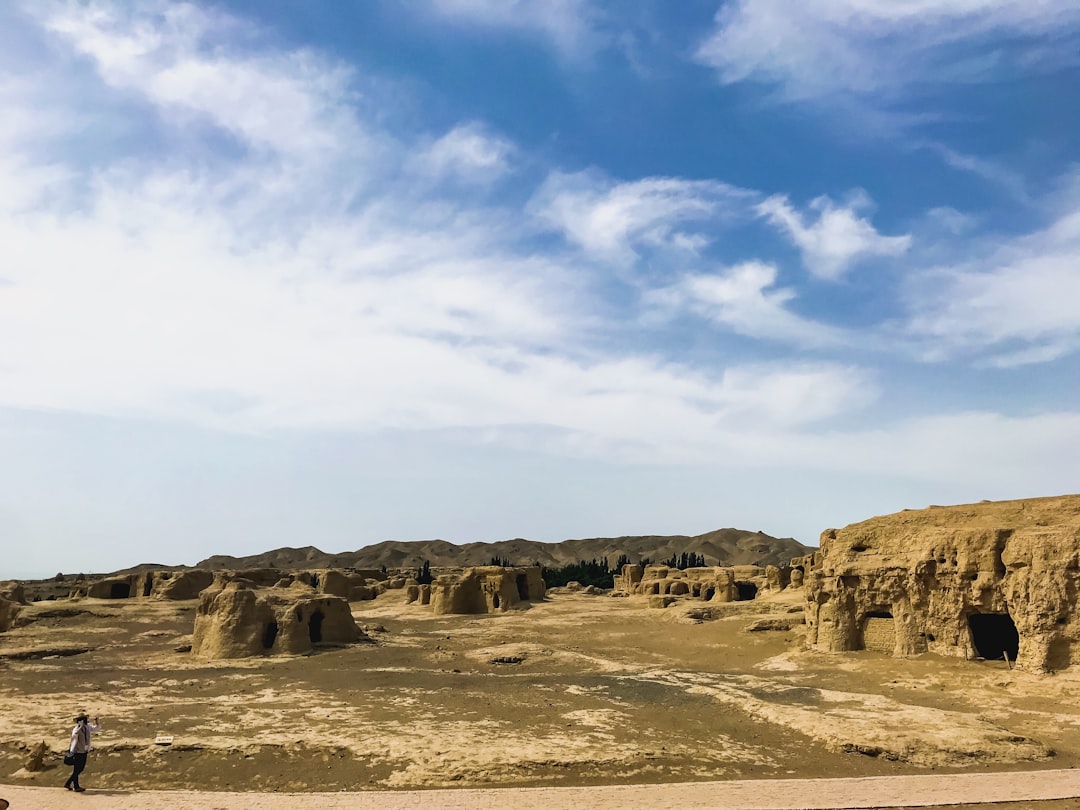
<point>772,794</point>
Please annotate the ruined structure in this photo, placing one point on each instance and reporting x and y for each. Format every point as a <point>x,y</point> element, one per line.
<point>180,584</point>
<point>711,584</point>
<point>8,612</point>
<point>235,619</point>
<point>990,580</point>
<point>13,592</point>
<point>486,589</point>
<point>160,584</point>
<point>189,583</point>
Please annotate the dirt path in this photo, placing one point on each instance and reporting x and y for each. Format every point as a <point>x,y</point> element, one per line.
<point>778,794</point>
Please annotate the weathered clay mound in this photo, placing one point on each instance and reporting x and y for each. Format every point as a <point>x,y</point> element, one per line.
<point>13,592</point>
<point>110,588</point>
<point>990,580</point>
<point>236,620</point>
<point>181,584</point>
<point>486,589</point>
<point>9,611</point>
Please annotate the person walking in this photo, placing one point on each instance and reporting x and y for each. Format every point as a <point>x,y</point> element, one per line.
<point>79,748</point>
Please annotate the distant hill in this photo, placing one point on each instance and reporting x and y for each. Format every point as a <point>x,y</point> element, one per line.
<point>720,547</point>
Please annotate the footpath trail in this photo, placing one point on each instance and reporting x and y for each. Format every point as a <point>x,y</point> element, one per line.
<point>760,794</point>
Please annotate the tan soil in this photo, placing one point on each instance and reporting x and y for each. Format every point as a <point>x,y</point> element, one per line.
<point>607,692</point>
<point>783,794</point>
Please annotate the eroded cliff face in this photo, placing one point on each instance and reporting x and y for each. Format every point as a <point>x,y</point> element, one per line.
<point>988,580</point>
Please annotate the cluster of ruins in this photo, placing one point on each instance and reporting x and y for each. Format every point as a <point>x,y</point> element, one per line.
<point>267,611</point>
<point>990,580</point>
<point>737,583</point>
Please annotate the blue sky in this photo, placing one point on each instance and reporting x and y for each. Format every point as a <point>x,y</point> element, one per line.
<point>344,272</point>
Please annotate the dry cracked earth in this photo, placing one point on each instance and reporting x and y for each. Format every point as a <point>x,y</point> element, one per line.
<point>577,690</point>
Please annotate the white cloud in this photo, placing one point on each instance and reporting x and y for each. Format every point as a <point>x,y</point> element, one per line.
<point>612,220</point>
<point>569,25</point>
<point>989,170</point>
<point>1015,305</point>
<point>172,55</point>
<point>837,240</point>
<point>467,153</point>
<point>879,48</point>
<point>1007,456</point>
<point>744,299</point>
<point>272,288</point>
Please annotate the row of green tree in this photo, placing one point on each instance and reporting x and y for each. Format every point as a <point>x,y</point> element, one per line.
<point>598,571</point>
<point>685,560</point>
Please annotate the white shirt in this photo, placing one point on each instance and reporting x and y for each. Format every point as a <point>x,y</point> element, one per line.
<point>80,739</point>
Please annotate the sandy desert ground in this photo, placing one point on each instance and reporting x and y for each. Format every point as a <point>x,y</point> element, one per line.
<point>576,691</point>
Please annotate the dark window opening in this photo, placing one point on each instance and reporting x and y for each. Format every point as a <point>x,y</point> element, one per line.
<point>859,547</point>
<point>879,614</point>
<point>709,593</point>
<point>799,568</point>
<point>270,635</point>
<point>523,587</point>
<point>850,582</point>
<point>747,590</point>
<point>315,581</point>
<point>315,627</point>
<point>148,584</point>
<point>994,635</point>
<point>495,600</point>
<point>120,590</point>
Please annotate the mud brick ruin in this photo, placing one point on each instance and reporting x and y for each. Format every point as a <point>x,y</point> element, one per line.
<point>986,580</point>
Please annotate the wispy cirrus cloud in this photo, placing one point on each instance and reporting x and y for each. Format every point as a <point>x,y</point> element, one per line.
<point>613,220</point>
<point>746,300</point>
<point>570,26</point>
<point>468,153</point>
<point>177,57</point>
<point>1012,305</point>
<point>837,239</point>
<point>882,48</point>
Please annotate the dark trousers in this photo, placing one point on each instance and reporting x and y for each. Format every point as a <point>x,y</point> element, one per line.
<point>76,769</point>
